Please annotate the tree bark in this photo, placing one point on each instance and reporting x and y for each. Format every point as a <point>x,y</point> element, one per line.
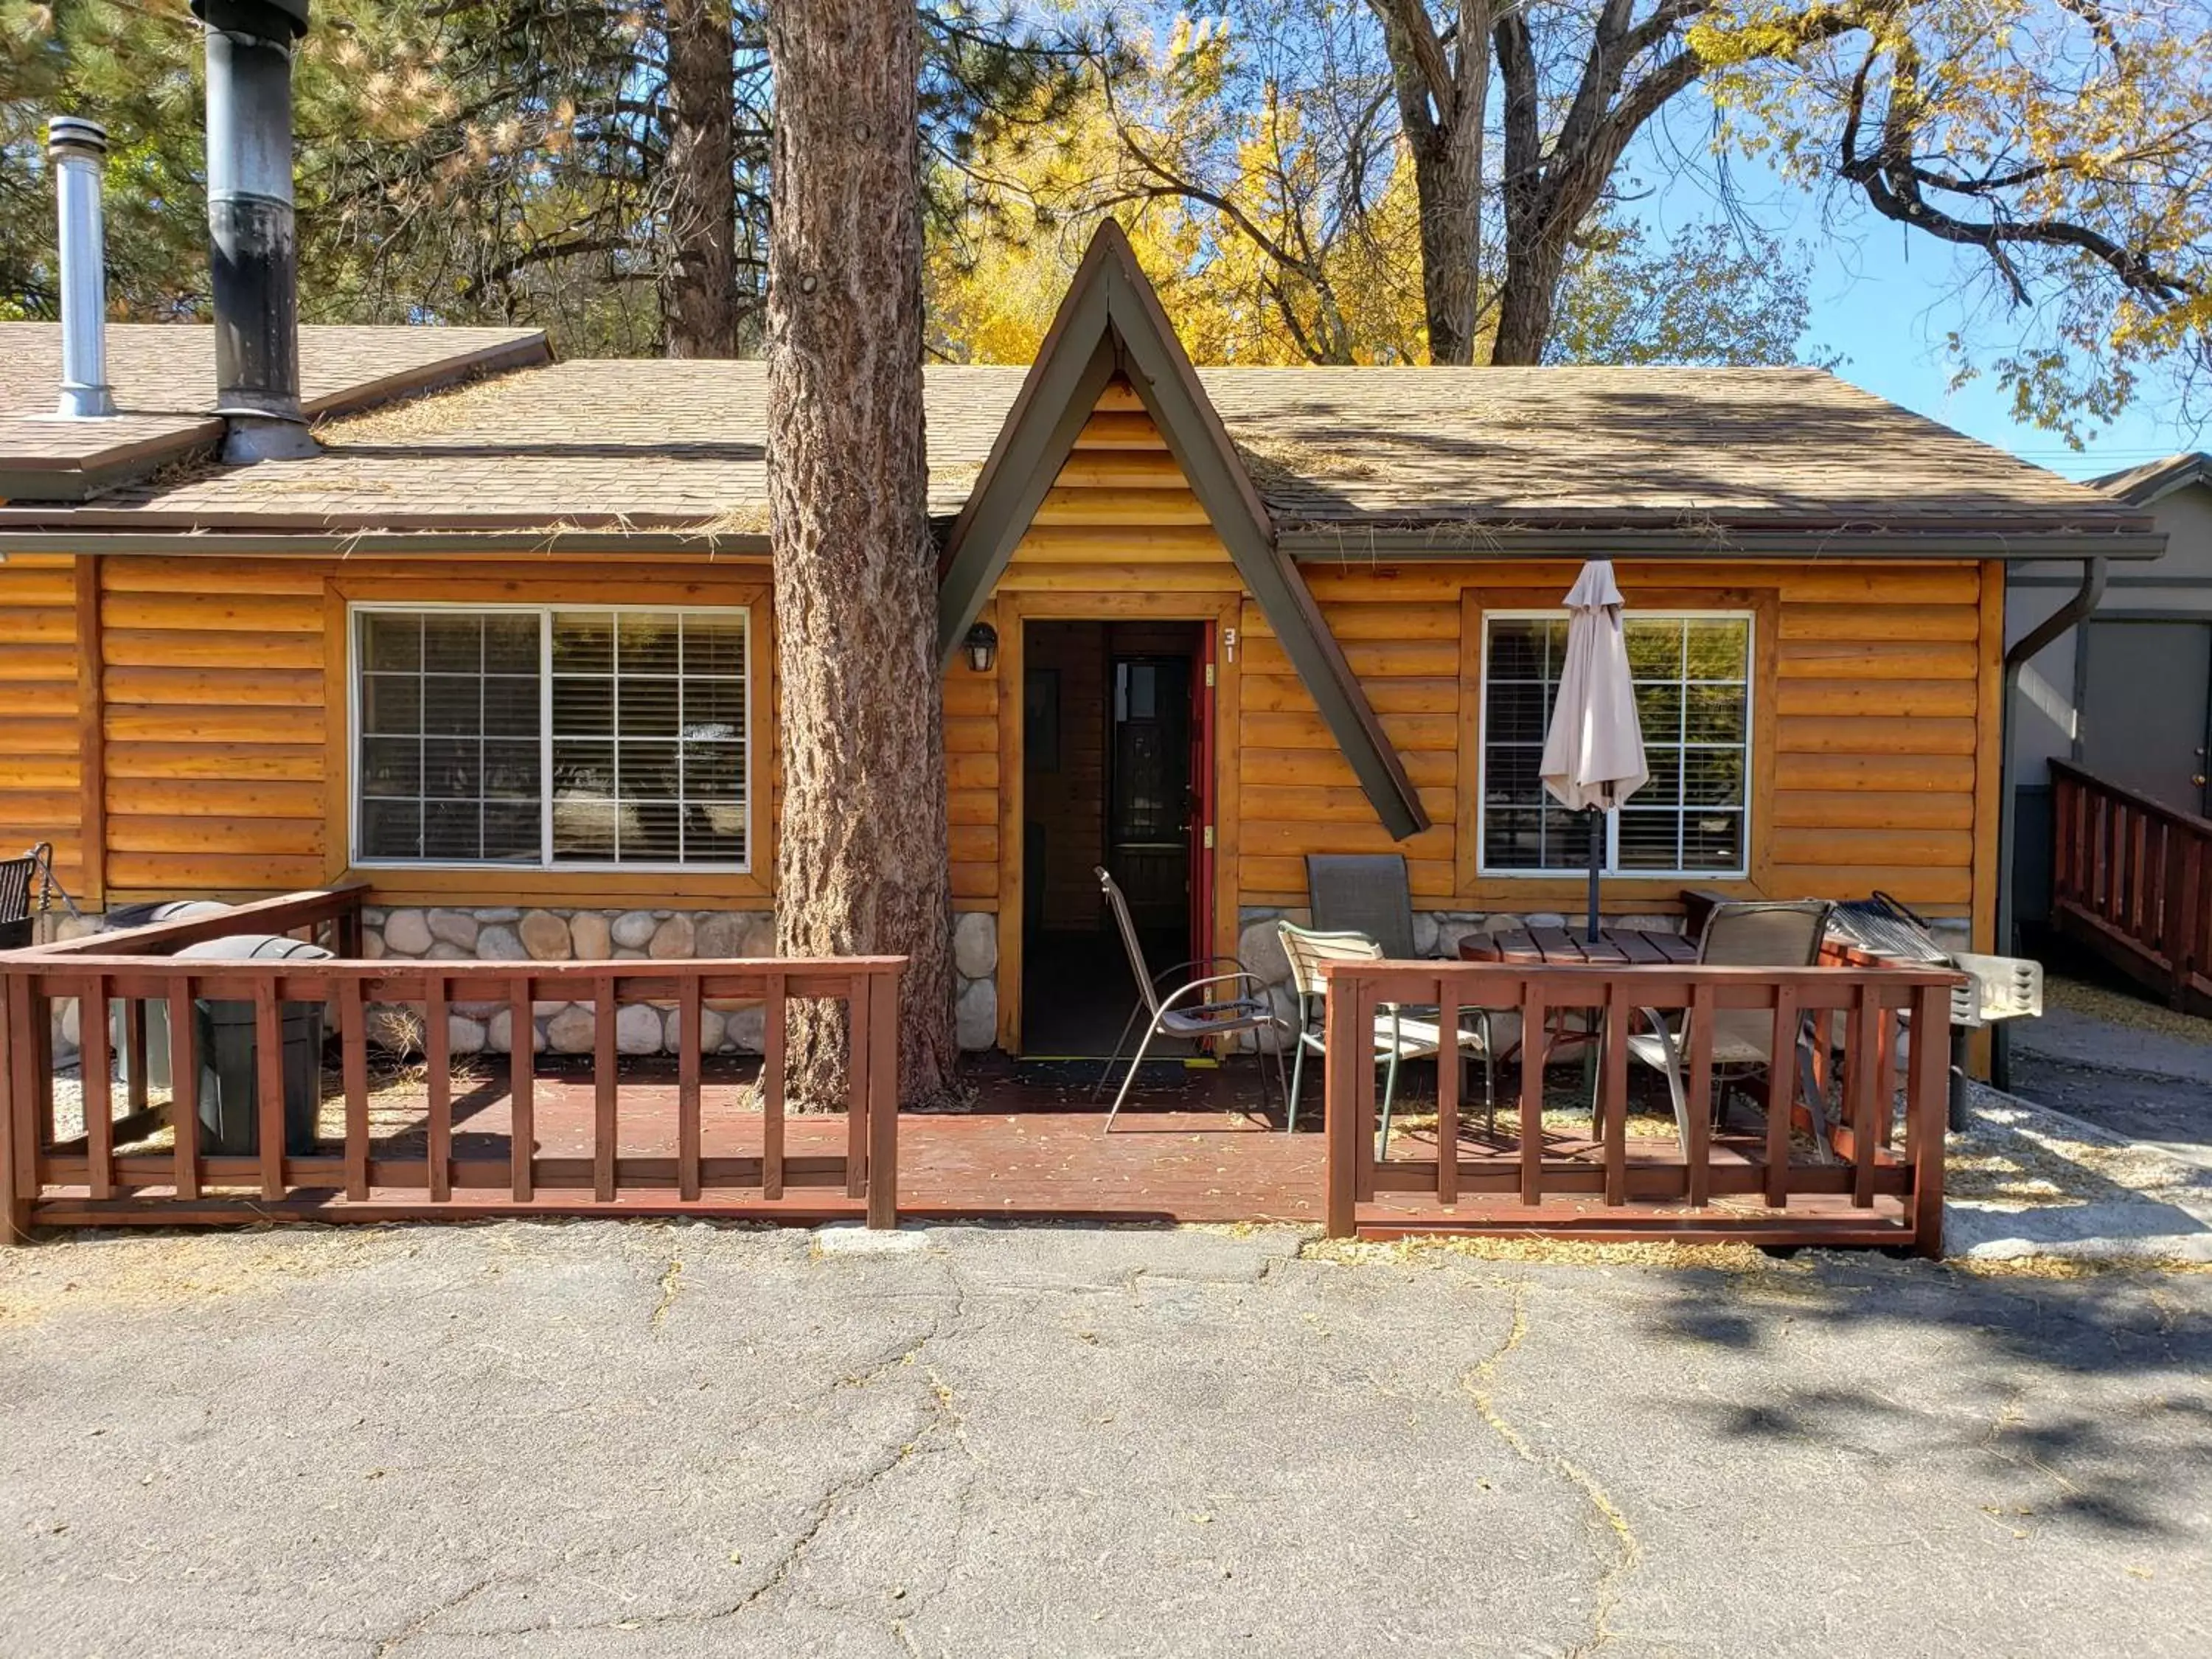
<point>862,856</point>
<point>699,301</point>
<point>1441,100</point>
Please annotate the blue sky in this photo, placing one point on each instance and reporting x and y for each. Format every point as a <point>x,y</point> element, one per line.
<point>1883,301</point>
<point>1886,307</point>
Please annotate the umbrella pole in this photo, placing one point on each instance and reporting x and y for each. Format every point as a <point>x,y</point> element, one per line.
<point>1596,864</point>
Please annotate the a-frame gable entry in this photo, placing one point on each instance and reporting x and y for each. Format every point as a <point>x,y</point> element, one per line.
<point>1112,322</point>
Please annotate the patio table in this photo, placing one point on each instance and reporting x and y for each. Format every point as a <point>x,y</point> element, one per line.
<point>1568,947</point>
<point>1614,947</point>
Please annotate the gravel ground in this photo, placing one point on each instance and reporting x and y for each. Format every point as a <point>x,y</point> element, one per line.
<point>607,1439</point>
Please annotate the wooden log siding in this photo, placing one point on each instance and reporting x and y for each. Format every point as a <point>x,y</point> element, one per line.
<point>42,774</point>
<point>227,772</point>
<point>214,688</point>
<point>1873,726</point>
<point>1874,706</point>
<point>227,758</point>
<point>1119,527</point>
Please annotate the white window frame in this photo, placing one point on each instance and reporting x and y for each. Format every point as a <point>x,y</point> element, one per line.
<point>546,865</point>
<point>1556,613</point>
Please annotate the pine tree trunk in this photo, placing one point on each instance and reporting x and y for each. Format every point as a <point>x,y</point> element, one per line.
<point>862,860</point>
<point>699,292</point>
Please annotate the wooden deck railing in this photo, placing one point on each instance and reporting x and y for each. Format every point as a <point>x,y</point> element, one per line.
<point>2131,880</point>
<point>85,1180</point>
<point>1855,1012</point>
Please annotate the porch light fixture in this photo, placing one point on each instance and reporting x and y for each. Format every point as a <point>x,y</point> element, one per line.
<point>982,647</point>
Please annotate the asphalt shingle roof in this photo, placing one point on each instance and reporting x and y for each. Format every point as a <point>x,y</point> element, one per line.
<point>163,377</point>
<point>669,445</point>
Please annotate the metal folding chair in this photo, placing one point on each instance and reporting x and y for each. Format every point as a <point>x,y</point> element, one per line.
<point>1763,934</point>
<point>1188,1010</point>
<point>1400,1034</point>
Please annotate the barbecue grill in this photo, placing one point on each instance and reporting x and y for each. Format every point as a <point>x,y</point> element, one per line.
<point>1996,987</point>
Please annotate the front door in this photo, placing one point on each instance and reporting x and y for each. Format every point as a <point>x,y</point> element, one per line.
<point>1148,793</point>
<point>1199,832</point>
<point>2147,708</point>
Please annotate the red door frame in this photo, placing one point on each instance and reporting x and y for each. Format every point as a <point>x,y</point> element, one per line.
<point>1202,675</point>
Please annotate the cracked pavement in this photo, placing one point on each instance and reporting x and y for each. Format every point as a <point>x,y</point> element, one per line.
<point>599,1438</point>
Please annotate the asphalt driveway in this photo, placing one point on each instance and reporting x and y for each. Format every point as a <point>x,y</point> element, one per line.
<point>609,1439</point>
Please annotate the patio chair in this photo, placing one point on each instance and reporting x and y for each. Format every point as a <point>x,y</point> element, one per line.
<point>1399,1034</point>
<point>1758,934</point>
<point>1192,1010</point>
<point>1362,893</point>
<point>16,879</point>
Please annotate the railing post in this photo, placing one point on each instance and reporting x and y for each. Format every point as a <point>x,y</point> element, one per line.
<point>1927,1099</point>
<point>1782,1096</point>
<point>1613,1089</point>
<point>18,1154</point>
<point>2170,920</point>
<point>95,1071</point>
<point>353,1068</point>
<point>860,1056</point>
<point>1698,1022</point>
<point>184,1084</point>
<point>1447,1070</point>
<point>774,1019</point>
<point>883,1100</point>
<point>1535,1046</point>
<point>269,1084</point>
<point>438,1058</point>
<point>689,1046</point>
<point>1341,1053</point>
<point>521,1086</point>
<point>605,1108</point>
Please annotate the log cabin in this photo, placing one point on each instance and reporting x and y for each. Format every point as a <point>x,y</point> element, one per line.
<point>501,642</point>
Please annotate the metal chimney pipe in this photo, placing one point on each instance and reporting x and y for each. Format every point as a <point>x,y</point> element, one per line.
<point>254,246</point>
<point>78,149</point>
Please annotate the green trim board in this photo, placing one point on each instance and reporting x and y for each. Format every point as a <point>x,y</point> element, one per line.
<point>1111,323</point>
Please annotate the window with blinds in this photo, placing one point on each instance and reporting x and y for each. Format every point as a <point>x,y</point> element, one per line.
<point>611,738</point>
<point>1693,677</point>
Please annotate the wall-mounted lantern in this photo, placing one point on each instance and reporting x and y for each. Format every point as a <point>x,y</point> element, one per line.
<point>982,647</point>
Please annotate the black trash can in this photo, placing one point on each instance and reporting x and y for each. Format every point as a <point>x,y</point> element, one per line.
<point>157,1013</point>
<point>229,1122</point>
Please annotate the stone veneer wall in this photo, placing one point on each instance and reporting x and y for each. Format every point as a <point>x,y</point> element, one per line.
<point>508,934</point>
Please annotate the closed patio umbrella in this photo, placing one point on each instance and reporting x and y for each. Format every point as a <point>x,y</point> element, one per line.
<point>1594,749</point>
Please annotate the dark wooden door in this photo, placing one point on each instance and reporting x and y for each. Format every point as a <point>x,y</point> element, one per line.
<point>2147,708</point>
<point>1148,796</point>
<point>1200,833</point>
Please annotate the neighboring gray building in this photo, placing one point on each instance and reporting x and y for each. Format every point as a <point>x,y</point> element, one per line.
<point>2127,696</point>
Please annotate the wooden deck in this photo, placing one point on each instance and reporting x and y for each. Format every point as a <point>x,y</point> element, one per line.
<point>464,1137</point>
<point>1194,1150</point>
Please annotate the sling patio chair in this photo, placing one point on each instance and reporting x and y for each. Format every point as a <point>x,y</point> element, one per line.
<point>1362,893</point>
<point>1194,1010</point>
<point>1744,934</point>
<point>1400,1034</point>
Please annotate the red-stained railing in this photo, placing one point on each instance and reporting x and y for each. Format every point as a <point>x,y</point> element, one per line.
<point>1847,1022</point>
<point>2131,880</point>
<point>83,1179</point>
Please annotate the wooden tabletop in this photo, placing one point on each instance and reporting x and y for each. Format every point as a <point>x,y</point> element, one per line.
<point>1614,947</point>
